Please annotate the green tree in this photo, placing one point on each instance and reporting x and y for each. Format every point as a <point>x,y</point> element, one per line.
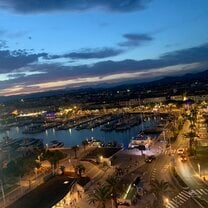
<point>13,169</point>
<point>20,166</point>
<point>54,157</point>
<point>191,136</point>
<point>75,149</point>
<point>160,189</point>
<point>80,169</point>
<point>62,169</point>
<point>115,188</point>
<point>141,148</point>
<point>99,196</point>
<point>192,127</point>
<point>180,122</point>
<point>192,117</point>
<point>174,131</point>
<point>84,144</point>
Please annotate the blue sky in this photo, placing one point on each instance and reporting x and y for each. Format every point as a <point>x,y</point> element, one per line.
<point>46,45</point>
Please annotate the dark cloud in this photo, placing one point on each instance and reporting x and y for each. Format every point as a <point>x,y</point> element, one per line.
<point>187,56</point>
<point>32,6</point>
<point>98,53</point>
<point>190,55</point>
<point>21,58</point>
<point>135,39</point>
<point>11,60</point>
<point>176,62</point>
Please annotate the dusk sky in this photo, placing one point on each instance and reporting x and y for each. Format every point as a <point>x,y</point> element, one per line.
<point>54,44</point>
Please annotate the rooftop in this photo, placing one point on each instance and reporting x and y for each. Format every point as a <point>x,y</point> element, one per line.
<point>51,192</point>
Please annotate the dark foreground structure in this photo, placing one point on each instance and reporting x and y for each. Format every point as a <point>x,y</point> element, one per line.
<point>46,195</point>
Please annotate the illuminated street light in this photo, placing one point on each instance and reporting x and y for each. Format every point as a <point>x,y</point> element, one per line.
<point>166,200</point>
<point>36,173</point>
<point>101,158</point>
<point>199,168</point>
<point>3,194</point>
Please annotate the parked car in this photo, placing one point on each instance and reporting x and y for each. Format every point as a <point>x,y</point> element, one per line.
<point>150,158</point>
<point>183,158</point>
<point>180,151</point>
<point>153,157</point>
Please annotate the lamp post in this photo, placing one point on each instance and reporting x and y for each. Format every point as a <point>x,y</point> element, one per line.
<point>199,168</point>
<point>112,200</point>
<point>167,139</point>
<point>36,171</point>
<point>3,194</point>
<point>166,200</point>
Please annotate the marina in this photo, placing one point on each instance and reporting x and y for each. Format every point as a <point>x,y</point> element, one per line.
<point>115,130</point>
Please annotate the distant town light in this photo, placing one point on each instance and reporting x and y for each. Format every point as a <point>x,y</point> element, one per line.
<point>166,200</point>
<point>185,98</point>
<point>66,182</point>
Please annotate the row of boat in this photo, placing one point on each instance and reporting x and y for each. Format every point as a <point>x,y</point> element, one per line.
<point>107,122</point>
<point>9,144</point>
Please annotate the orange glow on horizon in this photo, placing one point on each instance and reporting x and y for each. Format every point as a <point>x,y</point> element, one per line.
<point>77,82</point>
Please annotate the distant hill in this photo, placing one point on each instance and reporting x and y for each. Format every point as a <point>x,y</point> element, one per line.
<point>171,81</point>
<point>190,77</point>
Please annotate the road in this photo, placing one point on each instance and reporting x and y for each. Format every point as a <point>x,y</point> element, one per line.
<point>159,169</point>
<point>187,172</point>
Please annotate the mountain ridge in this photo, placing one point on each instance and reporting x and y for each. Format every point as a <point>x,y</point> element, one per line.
<point>168,80</point>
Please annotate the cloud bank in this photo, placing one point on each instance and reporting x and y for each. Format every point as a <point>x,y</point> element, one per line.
<point>36,76</point>
<point>88,53</point>
<point>40,6</point>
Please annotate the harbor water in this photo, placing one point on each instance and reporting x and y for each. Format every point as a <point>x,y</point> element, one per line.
<point>73,137</point>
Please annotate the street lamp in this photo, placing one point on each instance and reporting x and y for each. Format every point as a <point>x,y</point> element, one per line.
<point>3,194</point>
<point>167,139</point>
<point>101,159</point>
<point>112,200</point>
<point>36,172</point>
<point>199,168</point>
<point>166,200</point>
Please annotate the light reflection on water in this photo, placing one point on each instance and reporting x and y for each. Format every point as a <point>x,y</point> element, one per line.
<point>72,137</point>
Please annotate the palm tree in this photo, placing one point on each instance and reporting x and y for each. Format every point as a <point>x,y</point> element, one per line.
<point>191,135</point>
<point>75,149</point>
<point>99,196</point>
<point>84,143</point>
<point>160,188</point>
<point>54,157</point>
<point>63,169</point>
<point>80,169</point>
<point>114,187</point>
<point>141,148</point>
<point>192,118</point>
